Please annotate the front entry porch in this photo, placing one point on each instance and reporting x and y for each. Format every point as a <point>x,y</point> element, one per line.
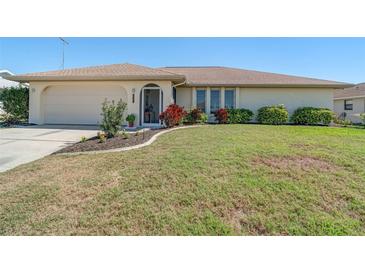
<point>151,106</point>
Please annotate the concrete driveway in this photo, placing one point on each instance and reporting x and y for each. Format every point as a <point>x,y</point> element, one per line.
<point>25,144</point>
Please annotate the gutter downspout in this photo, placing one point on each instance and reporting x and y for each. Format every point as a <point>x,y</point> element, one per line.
<point>174,86</point>
<point>179,84</point>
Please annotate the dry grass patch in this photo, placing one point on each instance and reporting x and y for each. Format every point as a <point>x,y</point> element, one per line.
<point>296,163</point>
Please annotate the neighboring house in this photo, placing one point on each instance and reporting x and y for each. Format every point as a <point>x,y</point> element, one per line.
<point>74,96</point>
<point>5,84</point>
<point>350,102</point>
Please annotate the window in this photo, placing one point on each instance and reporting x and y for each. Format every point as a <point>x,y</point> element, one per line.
<point>174,94</point>
<point>348,105</point>
<point>214,100</point>
<point>229,98</point>
<point>200,99</point>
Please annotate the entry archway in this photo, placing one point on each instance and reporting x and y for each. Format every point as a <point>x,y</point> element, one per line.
<point>151,102</point>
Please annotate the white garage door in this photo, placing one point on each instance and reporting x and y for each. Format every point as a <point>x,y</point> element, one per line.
<point>78,104</point>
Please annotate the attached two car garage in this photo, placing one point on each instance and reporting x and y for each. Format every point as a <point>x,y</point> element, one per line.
<point>75,104</point>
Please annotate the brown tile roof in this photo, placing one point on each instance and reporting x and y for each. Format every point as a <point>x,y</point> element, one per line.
<point>106,72</point>
<point>353,92</point>
<point>204,76</point>
<point>194,76</point>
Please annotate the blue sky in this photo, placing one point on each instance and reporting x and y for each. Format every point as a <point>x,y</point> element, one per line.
<point>341,59</point>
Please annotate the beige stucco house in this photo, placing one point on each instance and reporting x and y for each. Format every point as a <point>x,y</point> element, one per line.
<point>350,102</point>
<point>74,96</point>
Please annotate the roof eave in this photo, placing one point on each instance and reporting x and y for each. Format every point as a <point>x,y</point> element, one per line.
<point>334,86</point>
<point>349,97</point>
<point>27,79</point>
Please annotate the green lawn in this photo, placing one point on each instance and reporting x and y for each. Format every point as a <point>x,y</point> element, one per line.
<point>211,180</point>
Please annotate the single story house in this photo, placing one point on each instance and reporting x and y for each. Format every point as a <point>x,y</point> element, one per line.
<point>350,102</point>
<point>74,96</point>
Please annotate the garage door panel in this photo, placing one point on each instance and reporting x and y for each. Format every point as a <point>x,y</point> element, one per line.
<point>76,100</point>
<point>78,105</point>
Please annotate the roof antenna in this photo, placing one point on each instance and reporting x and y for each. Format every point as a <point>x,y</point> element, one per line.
<point>64,42</point>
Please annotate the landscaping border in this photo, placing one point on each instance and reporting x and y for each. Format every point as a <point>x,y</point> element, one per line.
<point>147,143</point>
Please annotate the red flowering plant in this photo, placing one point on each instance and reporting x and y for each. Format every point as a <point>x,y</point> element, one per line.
<point>173,115</point>
<point>221,116</point>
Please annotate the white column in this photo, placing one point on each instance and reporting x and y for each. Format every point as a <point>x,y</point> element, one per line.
<point>222,98</point>
<point>193,98</point>
<point>172,95</point>
<point>207,101</point>
<point>237,99</point>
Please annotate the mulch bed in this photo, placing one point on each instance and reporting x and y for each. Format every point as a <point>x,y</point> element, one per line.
<point>111,143</point>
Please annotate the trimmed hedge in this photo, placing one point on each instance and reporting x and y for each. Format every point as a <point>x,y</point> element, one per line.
<point>15,103</point>
<point>273,115</point>
<point>239,116</point>
<point>312,116</point>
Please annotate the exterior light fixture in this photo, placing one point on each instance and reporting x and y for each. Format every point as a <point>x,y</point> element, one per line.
<point>133,94</point>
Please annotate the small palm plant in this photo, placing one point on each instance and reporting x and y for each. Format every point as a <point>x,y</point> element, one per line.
<point>130,119</point>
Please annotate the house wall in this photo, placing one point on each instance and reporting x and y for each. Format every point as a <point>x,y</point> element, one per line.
<point>254,98</point>
<point>292,98</point>
<point>251,98</point>
<point>183,97</point>
<point>38,90</point>
<point>353,115</point>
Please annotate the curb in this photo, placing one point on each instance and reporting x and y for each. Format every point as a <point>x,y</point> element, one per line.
<point>147,143</point>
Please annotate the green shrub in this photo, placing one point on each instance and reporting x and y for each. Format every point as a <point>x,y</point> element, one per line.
<point>239,116</point>
<point>102,137</point>
<point>112,117</point>
<point>326,116</point>
<point>312,116</point>
<point>15,103</point>
<point>273,115</point>
<point>123,134</point>
<point>83,139</point>
<point>7,119</point>
<point>345,122</point>
<point>195,116</point>
<point>362,117</point>
<point>203,118</point>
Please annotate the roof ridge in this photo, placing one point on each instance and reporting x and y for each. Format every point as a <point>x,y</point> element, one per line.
<point>283,74</point>
<point>100,66</point>
<point>193,67</point>
<point>160,69</point>
<point>266,72</point>
<point>75,68</point>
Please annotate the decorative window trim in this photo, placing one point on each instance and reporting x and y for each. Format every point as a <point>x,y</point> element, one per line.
<point>205,98</point>
<point>219,99</point>
<point>348,104</point>
<point>234,97</point>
